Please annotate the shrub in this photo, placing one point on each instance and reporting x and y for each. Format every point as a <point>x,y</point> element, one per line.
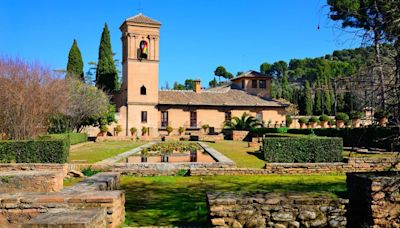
<point>144,130</point>
<point>181,130</point>
<point>34,151</point>
<point>133,130</point>
<point>118,129</point>
<point>263,130</point>
<point>313,120</point>
<point>355,115</point>
<point>347,122</point>
<point>205,127</point>
<point>104,128</point>
<point>169,129</point>
<point>303,149</point>
<point>331,122</point>
<point>324,118</point>
<point>303,120</point>
<point>342,116</point>
<point>381,114</point>
<point>72,137</point>
<point>289,120</point>
<point>89,171</point>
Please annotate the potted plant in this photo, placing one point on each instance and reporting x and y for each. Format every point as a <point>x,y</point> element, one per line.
<point>205,127</point>
<point>103,130</point>
<point>145,130</point>
<point>302,121</point>
<point>341,118</point>
<point>133,131</point>
<point>382,117</point>
<point>269,123</point>
<point>313,121</point>
<point>347,123</point>
<point>143,154</point>
<point>331,122</point>
<point>289,120</point>
<point>355,117</point>
<point>169,130</point>
<point>323,120</point>
<point>181,130</point>
<point>117,130</point>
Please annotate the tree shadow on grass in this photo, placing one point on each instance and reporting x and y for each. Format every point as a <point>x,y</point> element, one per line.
<point>257,154</point>
<point>183,203</point>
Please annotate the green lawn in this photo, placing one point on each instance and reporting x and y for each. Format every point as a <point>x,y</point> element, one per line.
<point>181,201</point>
<point>240,153</point>
<point>98,151</point>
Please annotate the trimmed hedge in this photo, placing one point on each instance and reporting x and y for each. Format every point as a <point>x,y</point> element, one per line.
<point>303,149</point>
<point>372,137</point>
<point>262,131</point>
<point>34,151</point>
<point>73,138</point>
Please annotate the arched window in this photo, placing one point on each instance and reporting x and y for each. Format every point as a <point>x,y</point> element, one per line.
<point>144,49</point>
<point>142,90</point>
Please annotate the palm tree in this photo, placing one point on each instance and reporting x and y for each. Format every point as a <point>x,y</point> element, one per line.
<point>244,123</point>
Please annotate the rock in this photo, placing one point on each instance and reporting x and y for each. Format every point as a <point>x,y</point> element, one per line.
<point>218,222</point>
<point>307,215</point>
<point>282,216</point>
<point>273,201</point>
<point>278,225</point>
<point>319,222</point>
<point>294,224</point>
<point>236,224</point>
<point>75,173</point>
<point>378,196</point>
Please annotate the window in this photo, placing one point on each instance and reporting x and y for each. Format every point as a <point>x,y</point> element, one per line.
<point>259,116</point>
<point>262,84</point>
<point>253,83</point>
<point>228,116</point>
<point>142,90</point>
<point>164,119</point>
<point>193,119</point>
<point>242,84</point>
<point>144,116</point>
<point>144,49</point>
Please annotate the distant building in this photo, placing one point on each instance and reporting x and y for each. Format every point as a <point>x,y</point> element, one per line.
<point>141,104</point>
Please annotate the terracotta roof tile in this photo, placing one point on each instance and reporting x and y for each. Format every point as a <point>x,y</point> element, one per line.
<point>251,74</point>
<point>142,19</point>
<point>223,97</point>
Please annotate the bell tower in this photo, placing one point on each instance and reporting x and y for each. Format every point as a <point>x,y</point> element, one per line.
<point>140,60</point>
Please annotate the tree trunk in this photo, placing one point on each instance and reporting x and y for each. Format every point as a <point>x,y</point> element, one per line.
<point>377,37</point>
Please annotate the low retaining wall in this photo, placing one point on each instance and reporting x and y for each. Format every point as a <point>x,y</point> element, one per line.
<point>17,209</point>
<point>276,210</point>
<point>352,165</point>
<point>374,199</point>
<point>31,181</point>
<point>5,167</point>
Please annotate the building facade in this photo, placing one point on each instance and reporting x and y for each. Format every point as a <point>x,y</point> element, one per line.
<point>141,103</point>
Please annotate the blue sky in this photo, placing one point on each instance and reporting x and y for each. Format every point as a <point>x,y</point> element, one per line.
<point>196,36</point>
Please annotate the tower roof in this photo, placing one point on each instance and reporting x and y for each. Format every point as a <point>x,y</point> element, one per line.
<point>142,19</point>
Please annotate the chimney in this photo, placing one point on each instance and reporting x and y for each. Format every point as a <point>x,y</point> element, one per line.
<point>197,86</point>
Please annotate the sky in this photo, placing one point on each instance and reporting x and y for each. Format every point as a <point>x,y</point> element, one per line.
<point>196,36</point>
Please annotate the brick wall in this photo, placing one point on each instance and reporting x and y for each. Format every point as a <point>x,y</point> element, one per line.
<point>31,181</point>
<point>276,210</point>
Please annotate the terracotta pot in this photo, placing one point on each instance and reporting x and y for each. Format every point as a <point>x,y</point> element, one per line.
<point>339,123</point>
<point>355,123</point>
<point>323,124</point>
<point>383,121</point>
<point>301,125</point>
<point>313,125</point>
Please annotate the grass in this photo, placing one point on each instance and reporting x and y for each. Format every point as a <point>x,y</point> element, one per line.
<point>240,153</point>
<point>72,181</point>
<point>98,151</point>
<point>181,201</point>
<point>348,154</point>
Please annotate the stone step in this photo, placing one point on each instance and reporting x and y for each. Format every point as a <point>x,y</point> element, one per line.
<point>84,218</point>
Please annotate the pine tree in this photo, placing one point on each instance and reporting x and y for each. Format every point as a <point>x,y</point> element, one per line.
<point>75,63</point>
<point>307,99</point>
<point>106,73</point>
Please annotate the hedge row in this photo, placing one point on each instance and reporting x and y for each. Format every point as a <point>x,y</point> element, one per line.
<point>303,149</point>
<point>34,151</point>
<point>376,137</point>
<point>261,131</point>
<point>73,138</point>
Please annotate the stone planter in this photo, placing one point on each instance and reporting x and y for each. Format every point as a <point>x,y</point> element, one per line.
<point>339,123</point>
<point>355,123</point>
<point>374,199</point>
<point>383,121</point>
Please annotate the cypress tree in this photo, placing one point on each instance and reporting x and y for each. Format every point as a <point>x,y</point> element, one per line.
<point>307,99</point>
<point>318,99</point>
<point>327,99</point>
<point>106,73</point>
<point>75,63</point>
<point>285,88</point>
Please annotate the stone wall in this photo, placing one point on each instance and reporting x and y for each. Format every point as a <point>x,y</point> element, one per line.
<point>98,191</point>
<point>374,199</point>
<point>5,167</point>
<point>276,210</point>
<point>239,135</point>
<point>351,165</point>
<point>31,181</point>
